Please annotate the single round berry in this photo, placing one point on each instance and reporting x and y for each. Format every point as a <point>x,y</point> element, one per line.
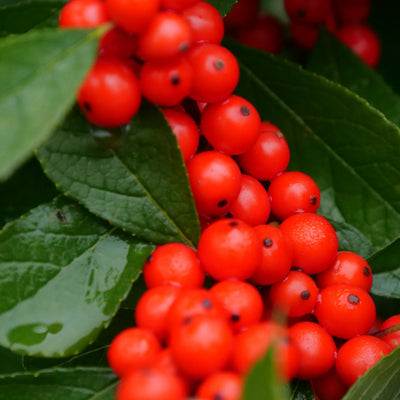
<point>316,347</point>
<point>277,256</point>
<point>152,309</point>
<point>296,295</point>
<point>363,41</point>
<point>329,386</point>
<point>229,248</point>
<point>358,355</point>
<point>268,157</point>
<point>166,83</point>
<point>345,310</point>
<point>216,70</point>
<point>205,22</point>
<point>153,383</point>
<point>308,11</point>
<point>167,35</point>
<point>201,346</point>
<point>185,130</point>
<point>232,126</point>
<point>392,339</point>
<point>304,35</point>
<point>314,241</point>
<point>118,43</point>
<point>132,15</point>
<point>223,385</point>
<point>349,268</point>
<point>110,95</point>
<point>352,12</point>
<point>293,192</point>
<point>173,263</point>
<point>252,204</point>
<point>132,348</point>
<point>242,15</point>
<point>241,300</point>
<point>265,34</point>
<point>83,14</point>
<point>215,180</point>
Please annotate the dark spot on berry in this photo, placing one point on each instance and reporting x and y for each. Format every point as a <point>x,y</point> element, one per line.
<point>235,317</point>
<point>313,200</point>
<point>305,294</point>
<point>301,13</point>
<point>353,299</point>
<point>222,203</point>
<point>267,242</point>
<point>366,271</point>
<point>184,46</point>
<point>61,217</point>
<point>149,258</point>
<point>187,320</point>
<point>175,80</point>
<point>245,111</point>
<point>219,64</point>
<point>218,396</point>
<point>233,223</point>
<point>87,106</point>
<point>229,215</point>
<point>207,303</point>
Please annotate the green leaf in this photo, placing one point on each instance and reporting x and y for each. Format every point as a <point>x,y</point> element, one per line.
<point>26,189</point>
<point>301,390</point>
<point>63,275</point>
<point>261,383</point>
<point>223,6</point>
<point>39,74</point>
<point>387,284</point>
<point>346,145</point>
<point>141,185</point>
<point>338,63</point>
<point>24,16</point>
<point>386,259</point>
<point>381,382</point>
<point>62,383</point>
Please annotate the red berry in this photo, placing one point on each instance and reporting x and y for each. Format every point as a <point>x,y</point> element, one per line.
<point>231,126</point>
<point>132,348</point>
<point>215,180</point>
<point>216,70</point>
<point>252,204</point>
<point>166,83</point>
<point>110,95</point>
<point>316,347</point>
<point>229,248</point>
<point>392,339</point>
<point>205,22</point>
<point>296,295</point>
<point>252,344</point>
<point>352,12</point>
<point>177,5</point>
<point>224,385</point>
<point>308,11</point>
<point>358,355</point>
<point>314,241</point>
<point>167,35</point>
<point>201,345</point>
<point>329,386</point>
<point>348,268</point>
<point>241,300</point>
<point>173,263</point>
<point>132,15</point>
<point>151,384</point>
<point>83,14</point>
<point>269,156</point>
<point>363,41</point>
<point>293,192</point>
<point>242,14</point>
<point>345,311</point>
<point>185,130</point>
<point>266,34</point>
<point>152,309</point>
<point>118,43</point>
<point>277,256</point>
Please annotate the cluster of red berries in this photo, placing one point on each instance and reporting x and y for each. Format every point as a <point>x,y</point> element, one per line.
<point>344,18</point>
<point>263,247</point>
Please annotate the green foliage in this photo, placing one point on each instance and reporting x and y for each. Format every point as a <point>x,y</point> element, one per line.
<point>70,277</point>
